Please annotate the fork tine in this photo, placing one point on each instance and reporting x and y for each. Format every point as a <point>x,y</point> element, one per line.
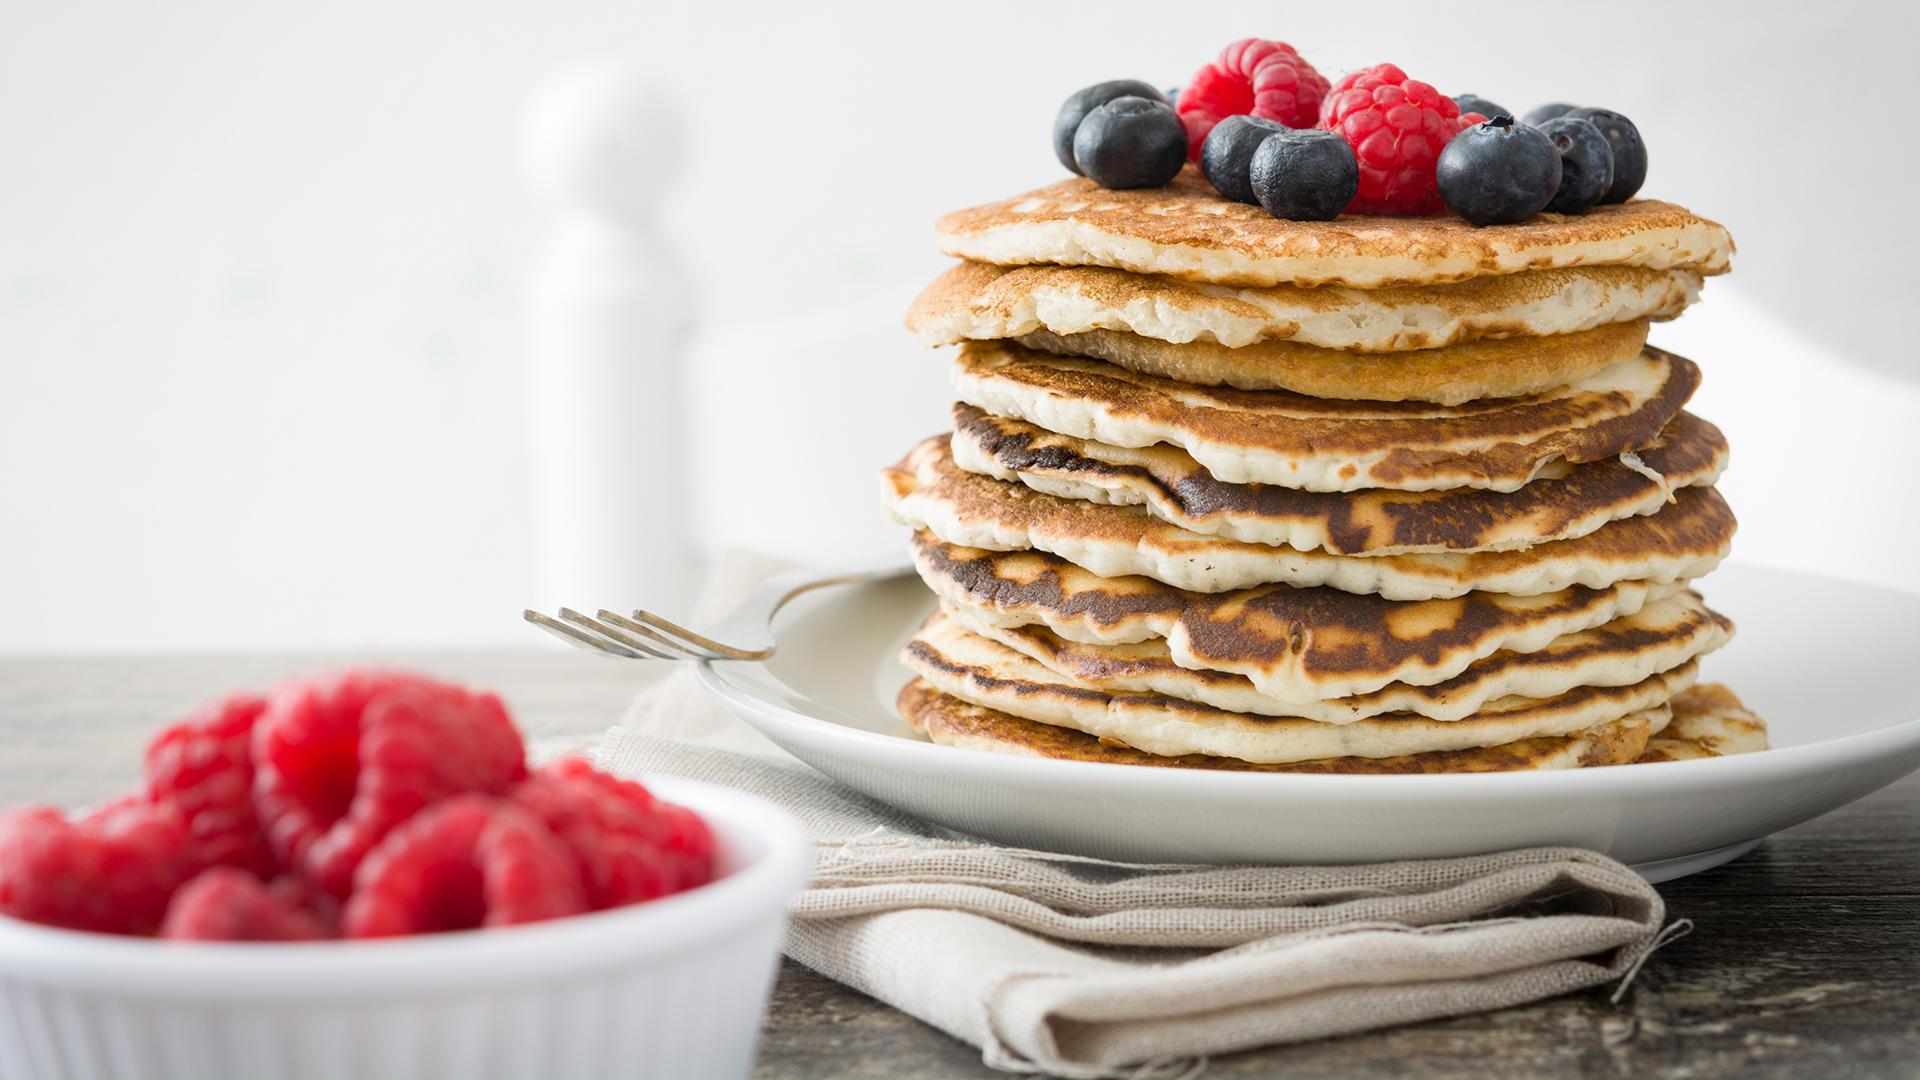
<point>620,638</point>
<point>663,650</point>
<point>718,650</point>
<point>577,638</point>
<point>649,632</point>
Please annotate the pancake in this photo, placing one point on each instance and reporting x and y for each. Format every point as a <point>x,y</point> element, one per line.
<point>927,489</point>
<point>1659,637</point>
<point>1708,721</point>
<point>1187,230</point>
<point>1320,444</point>
<point>978,301</point>
<point>993,676</point>
<point>1495,368</point>
<point>1295,645</point>
<point>1562,502</point>
<point>951,722</point>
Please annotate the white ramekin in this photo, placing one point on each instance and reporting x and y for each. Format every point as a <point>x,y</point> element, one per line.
<point>674,988</point>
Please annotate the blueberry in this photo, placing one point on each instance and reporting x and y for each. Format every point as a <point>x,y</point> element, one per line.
<point>1228,152</point>
<point>1586,163</point>
<point>1540,114</point>
<point>1475,103</point>
<point>1498,172</point>
<point>1076,108</point>
<point>1629,153</point>
<point>1304,175</point>
<point>1131,142</point>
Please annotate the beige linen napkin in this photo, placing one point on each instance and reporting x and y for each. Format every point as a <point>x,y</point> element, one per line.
<point>1087,968</point>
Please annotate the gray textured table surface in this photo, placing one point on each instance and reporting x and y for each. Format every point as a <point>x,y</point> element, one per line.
<point>1805,961</point>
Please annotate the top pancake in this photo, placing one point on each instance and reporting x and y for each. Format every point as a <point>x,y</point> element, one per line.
<point>1187,230</point>
<point>980,301</point>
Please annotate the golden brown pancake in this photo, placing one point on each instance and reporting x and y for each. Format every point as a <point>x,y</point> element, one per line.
<point>1454,375</point>
<point>927,489</point>
<point>988,674</point>
<point>951,722</point>
<point>1320,444</point>
<point>1295,645</point>
<point>979,301</point>
<point>1564,501</point>
<point>1659,637</point>
<point>1708,721</point>
<point>1189,231</point>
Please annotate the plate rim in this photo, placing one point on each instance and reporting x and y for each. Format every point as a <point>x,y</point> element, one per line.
<point>1739,769</point>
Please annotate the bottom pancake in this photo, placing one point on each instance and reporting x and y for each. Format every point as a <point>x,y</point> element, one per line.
<point>986,673</point>
<point>1708,721</point>
<point>950,721</point>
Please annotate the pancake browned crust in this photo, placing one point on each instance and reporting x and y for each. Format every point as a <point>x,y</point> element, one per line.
<point>1187,230</point>
<point>1708,722</point>
<point>1564,501</point>
<point>1660,636</point>
<point>1293,644</point>
<point>989,674</point>
<point>927,489</point>
<point>979,301</point>
<point>1455,375</point>
<point>949,721</point>
<point>1318,444</point>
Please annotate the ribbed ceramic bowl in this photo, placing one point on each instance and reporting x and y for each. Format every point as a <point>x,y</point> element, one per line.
<point>673,988</point>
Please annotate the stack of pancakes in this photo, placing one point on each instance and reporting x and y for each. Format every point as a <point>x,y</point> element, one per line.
<point>1370,495</point>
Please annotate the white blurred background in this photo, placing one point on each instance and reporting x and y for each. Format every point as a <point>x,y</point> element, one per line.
<point>261,268</point>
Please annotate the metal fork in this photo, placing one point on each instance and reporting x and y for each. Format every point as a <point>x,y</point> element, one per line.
<point>644,635</point>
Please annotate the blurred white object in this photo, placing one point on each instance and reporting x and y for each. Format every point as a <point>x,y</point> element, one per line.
<point>667,989</point>
<point>608,310</point>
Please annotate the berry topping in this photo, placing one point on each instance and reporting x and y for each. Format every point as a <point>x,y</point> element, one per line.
<point>1228,151</point>
<point>111,872</point>
<point>1397,127</point>
<point>1499,172</point>
<point>1307,175</point>
<point>201,769</point>
<point>629,845</point>
<point>226,904</point>
<point>1076,108</point>
<point>1267,79</point>
<point>1586,163</point>
<point>1540,114</point>
<point>1629,152</point>
<point>468,862</point>
<point>1131,142</point>
<point>1476,105</point>
<point>340,761</point>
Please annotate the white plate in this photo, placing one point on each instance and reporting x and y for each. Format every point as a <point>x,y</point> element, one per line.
<point>1830,665</point>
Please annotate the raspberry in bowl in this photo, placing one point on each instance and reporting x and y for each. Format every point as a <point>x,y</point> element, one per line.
<point>377,885</point>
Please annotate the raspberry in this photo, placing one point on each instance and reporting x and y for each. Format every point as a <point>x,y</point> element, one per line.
<point>297,892</point>
<point>1265,78</point>
<point>202,770</point>
<point>111,872</point>
<point>1397,127</point>
<point>226,904</point>
<point>630,846</point>
<point>468,862</point>
<point>340,761</point>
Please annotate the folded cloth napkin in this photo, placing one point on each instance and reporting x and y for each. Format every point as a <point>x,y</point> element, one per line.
<point>1080,967</point>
